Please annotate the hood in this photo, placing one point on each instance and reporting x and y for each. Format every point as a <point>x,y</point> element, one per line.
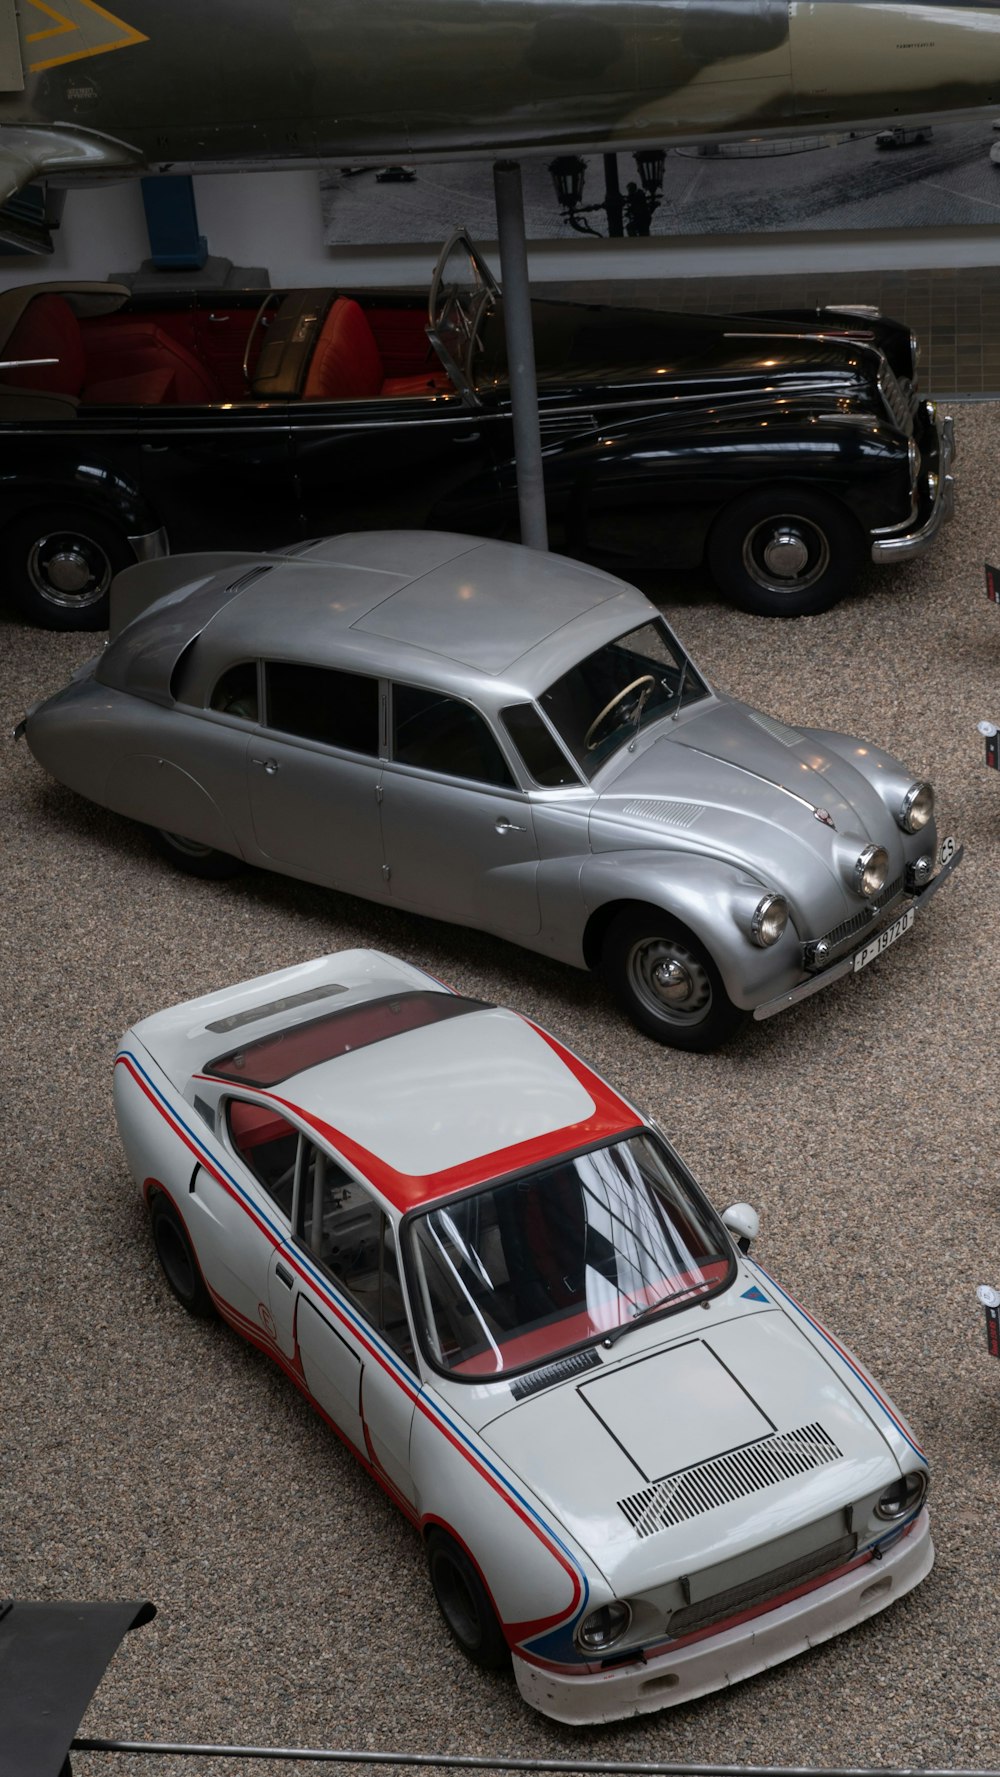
<point>781,802</point>
<point>592,1451</point>
<point>577,343</point>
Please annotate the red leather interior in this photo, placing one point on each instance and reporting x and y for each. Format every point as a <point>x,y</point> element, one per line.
<point>347,365</point>
<point>131,345</point>
<point>47,329</point>
<point>107,359</point>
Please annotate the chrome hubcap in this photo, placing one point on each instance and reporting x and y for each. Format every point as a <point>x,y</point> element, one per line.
<point>69,569</point>
<point>669,980</point>
<point>786,554</point>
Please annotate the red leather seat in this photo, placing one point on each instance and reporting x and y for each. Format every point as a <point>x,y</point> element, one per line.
<point>110,359</point>
<point>346,364</point>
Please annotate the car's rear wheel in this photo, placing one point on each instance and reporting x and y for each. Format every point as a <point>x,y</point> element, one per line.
<point>195,858</point>
<point>59,565</point>
<point>465,1603</point>
<point>667,982</point>
<point>177,1258</point>
<point>785,552</point>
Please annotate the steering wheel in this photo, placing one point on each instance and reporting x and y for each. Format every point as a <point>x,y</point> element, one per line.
<point>643,685</point>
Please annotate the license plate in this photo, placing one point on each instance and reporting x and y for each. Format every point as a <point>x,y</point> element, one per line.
<point>869,952</point>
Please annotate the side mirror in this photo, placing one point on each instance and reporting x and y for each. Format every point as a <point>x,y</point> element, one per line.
<point>743,1223</point>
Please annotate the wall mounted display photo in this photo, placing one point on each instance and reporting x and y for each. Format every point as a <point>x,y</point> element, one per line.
<point>941,174</point>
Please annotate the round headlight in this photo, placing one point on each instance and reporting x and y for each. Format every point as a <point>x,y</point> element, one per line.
<point>903,1497</point>
<point>604,1627</point>
<point>916,808</point>
<point>871,869</point>
<point>769,920</point>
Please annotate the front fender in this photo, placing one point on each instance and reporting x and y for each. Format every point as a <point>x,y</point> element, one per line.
<point>538,1579</point>
<point>715,901</point>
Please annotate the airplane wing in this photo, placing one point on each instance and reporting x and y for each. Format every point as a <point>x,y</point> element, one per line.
<point>29,152</point>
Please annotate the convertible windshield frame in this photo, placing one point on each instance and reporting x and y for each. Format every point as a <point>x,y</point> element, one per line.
<point>617,692</point>
<point>490,1271</point>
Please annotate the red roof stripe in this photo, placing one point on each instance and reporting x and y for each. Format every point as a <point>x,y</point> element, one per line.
<point>611,1116</point>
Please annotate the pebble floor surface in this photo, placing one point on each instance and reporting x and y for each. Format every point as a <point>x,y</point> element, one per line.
<point>147,1455</point>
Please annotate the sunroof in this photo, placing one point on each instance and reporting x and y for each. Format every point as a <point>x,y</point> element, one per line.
<point>286,1052</point>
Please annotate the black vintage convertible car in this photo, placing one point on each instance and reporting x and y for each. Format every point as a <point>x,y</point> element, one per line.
<point>781,450</point>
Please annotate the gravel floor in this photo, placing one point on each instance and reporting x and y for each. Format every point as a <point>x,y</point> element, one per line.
<point>146,1455</point>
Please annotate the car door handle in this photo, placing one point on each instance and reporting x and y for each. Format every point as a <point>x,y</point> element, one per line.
<point>464,437</point>
<point>503,825</point>
<point>270,765</point>
<point>219,320</point>
<point>286,1276</point>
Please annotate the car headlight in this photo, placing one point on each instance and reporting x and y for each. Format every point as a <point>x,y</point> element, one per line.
<point>770,918</point>
<point>604,1626</point>
<point>903,1497</point>
<point>871,870</point>
<point>916,808</point>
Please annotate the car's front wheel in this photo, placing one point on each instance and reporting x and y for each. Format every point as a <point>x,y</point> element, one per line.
<point>59,565</point>
<point>465,1603</point>
<point>195,858</point>
<point>177,1258</point>
<point>785,552</point>
<point>667,982</point>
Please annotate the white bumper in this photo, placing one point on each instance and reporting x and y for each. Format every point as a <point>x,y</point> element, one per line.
<point>734,1653</point>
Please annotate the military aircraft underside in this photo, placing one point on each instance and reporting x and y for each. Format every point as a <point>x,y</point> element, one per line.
<point>88,91</point>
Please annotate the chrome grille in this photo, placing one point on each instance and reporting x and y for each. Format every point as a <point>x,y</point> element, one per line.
<point>767,1585</point>
<point>672,814</point>
<point>895,400</point>
<point>861,922</point>
<point>738,1473</point>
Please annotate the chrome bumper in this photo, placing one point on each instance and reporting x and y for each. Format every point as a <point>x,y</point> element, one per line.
<point>911,543</point>
<point>845,966</point>
<point>150,545</point>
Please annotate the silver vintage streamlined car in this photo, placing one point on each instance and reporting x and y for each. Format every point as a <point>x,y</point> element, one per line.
<point>640,1469</point>
<point>505,739</point>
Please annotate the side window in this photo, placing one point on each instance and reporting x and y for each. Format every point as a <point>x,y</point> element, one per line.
<point>268,1145</point>
<point>542,755</point>
<point>443,734</point>
<point>235,694</point>
<point>339,709</point>
<point>352,1238</point>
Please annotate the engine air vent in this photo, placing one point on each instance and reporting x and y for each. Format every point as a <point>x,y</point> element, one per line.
<point>789,737</point>
<point>690,1492</point>
<point>522,1386</point>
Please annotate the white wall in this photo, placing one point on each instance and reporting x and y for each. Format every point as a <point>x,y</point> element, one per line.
<point>273,219</point>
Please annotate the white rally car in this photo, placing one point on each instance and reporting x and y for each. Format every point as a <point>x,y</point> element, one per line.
<point>640,1469</point>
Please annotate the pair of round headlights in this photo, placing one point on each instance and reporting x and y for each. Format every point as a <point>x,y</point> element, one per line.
<point>872,867</point>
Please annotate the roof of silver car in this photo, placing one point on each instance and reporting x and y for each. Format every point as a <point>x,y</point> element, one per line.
<point>428,605</point>
<point>482,604</point>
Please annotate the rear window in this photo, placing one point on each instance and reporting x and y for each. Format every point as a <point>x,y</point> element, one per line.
<point>274,1058</point>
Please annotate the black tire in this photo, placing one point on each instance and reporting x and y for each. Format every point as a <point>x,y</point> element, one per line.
<point>177,1258</point>
<point>59,565</point>
<point>785,552</point>
<point>464,1603</point>
<point>195,858</point>
<point>693,1010</point>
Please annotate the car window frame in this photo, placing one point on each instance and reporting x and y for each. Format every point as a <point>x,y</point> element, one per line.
<point>514,766</point>
<point>327,748</point>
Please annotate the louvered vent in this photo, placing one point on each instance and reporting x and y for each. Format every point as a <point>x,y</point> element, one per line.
<point>750,1469</point>
<point>789,737</point>
<point>671,814</point>
<point>522,1386</point>
<point>770,1585</point>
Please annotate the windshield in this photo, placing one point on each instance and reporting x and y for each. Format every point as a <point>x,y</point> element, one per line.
<point>524,1270</point>
<point>603,702</point>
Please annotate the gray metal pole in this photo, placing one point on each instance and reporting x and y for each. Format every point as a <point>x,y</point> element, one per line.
<point>520,354</point>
